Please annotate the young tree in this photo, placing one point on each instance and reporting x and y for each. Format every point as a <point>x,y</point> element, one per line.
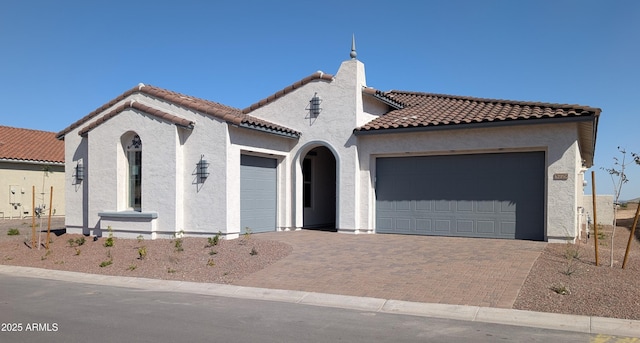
<point>619,178</point>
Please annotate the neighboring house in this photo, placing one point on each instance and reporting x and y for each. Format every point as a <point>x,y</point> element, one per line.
<point>329,152</point>
<point>28,159</point>
<point>604,206</point>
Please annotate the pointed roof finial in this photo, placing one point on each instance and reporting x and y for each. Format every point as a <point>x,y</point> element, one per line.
<point>353,53</point>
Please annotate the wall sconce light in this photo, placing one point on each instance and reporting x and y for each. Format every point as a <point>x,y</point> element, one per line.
<point>314,106</point>
<point>202,168</point>
<point>79,172</point>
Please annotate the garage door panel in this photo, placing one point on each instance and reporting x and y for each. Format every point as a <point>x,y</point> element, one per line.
<point>464,226</point>
<point>258,193</point>
<point>443,206</point>
<point>486,206</point>
<point>480,195</point>
<point>423,205</point>
<point>507,206</point>
<point>464,206</point>
<point>485,227</point>
<point>423,225</point>
<point>508,228</point>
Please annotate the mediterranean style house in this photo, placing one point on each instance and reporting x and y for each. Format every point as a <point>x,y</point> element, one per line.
<point>329,152</point>
<point>31,161</point>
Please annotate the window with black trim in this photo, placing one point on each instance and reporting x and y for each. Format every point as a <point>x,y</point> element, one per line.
<point>134,177</point>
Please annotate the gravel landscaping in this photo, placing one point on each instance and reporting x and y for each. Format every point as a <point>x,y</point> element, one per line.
<point>564,279</point>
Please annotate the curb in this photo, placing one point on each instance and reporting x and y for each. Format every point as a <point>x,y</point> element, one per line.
<point>553,321</point>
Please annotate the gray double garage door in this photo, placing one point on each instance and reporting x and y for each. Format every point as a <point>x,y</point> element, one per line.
<point>497,195</point>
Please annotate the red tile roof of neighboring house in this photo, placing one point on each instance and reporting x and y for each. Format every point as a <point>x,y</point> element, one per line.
<point>30,145</point>
<point>229,114</point>
<point>414,109</point>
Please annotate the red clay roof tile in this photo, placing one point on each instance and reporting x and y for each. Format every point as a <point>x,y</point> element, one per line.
<point>415,109</point>
<point>210,108</point>
<point>30,145</point>
<point>140,107</point>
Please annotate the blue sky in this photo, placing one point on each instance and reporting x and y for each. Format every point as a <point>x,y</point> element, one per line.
<point>60,60</point>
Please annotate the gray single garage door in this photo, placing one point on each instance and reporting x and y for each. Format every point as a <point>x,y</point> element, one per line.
<point>480,195</point>
<point>257,193</point>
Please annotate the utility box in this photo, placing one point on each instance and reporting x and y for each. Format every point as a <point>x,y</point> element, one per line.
<point>15,195</point>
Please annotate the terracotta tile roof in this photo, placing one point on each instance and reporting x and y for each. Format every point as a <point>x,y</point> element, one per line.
<point>140,107</point>
<point>229,114</point>
<point>414,109</point>
<point>30,145</point>
<point>315,76</point>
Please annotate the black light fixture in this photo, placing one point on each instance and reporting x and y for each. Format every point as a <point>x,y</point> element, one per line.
<point>314,106</point>
<point>202,168</point>
<point>79,172</point>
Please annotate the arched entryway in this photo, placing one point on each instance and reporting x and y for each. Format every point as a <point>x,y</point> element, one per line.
<point>319,189</point>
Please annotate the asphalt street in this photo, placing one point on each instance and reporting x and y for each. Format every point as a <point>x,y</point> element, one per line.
<point>39,310</point>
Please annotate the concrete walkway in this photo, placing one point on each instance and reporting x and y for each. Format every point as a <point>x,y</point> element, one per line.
<point>593,325</point>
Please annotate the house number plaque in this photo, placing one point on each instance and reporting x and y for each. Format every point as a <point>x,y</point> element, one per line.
<point>561,176</point>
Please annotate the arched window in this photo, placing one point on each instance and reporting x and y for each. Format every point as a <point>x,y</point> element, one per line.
<point>134,173</point>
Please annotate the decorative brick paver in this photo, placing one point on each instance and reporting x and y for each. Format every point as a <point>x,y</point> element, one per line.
<point>451,270</point>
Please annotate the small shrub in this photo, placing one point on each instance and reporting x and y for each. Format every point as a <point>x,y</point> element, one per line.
<point>178,245</point>
<point>178,241</point>
<point>171,270</point>
<point>106,263</point>
<point>246,236</point>
<point>571,251</point>
<point>133,267</point>
<point>212,252</point>
<point>140,238</point>
<point>76,242</point>
<point>561,289</point>
<point>253,252</point>
<point>78,251</point>
<point>13,232</point>
<point>142,252</point>
<point>110,241</point>
<point>213,241</point>
<point>211,263</point>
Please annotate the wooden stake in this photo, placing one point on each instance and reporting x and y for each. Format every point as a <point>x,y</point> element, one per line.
<point>49,224</point>
<point>595,216</point>
<point>631,235</point>
<point>33,217</point>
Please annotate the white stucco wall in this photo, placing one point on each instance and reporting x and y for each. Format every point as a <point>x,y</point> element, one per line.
<point>341,111</point>
<point>557,141</point>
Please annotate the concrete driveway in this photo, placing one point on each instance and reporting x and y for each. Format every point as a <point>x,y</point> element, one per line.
<point>462,271</point>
